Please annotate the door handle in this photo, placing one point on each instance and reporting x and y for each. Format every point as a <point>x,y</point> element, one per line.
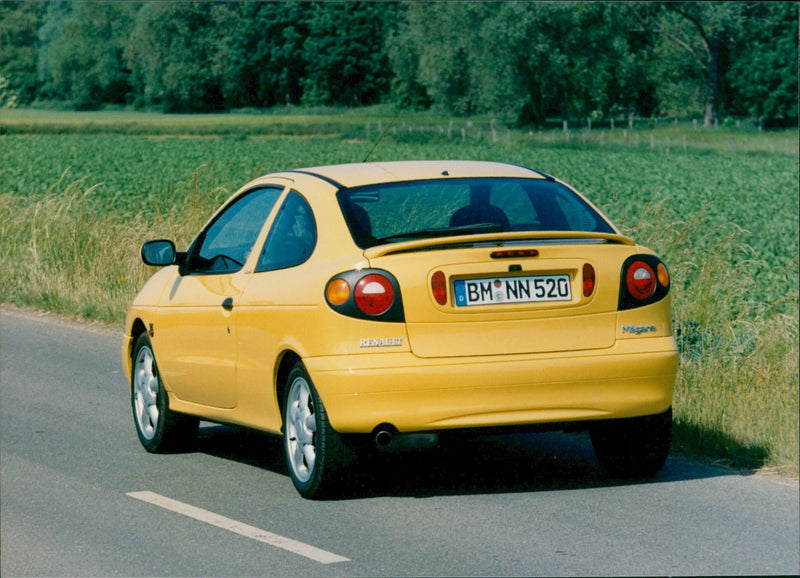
<point>228,304</point>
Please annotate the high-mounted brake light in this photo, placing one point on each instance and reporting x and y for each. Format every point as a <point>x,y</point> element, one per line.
<point>514,253</point>
<point>439,287</point>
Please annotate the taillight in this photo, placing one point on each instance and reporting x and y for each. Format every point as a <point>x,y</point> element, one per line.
<point>644,280</point>
<point>439,287</point>
<point>663,274</point>
<point>588,280</point>
<point>640,280</point>
<point>337,292</point>
<point>374,294</point>
<point>366,294</point>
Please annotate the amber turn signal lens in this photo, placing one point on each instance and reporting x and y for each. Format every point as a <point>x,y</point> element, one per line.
<point>337,292</point>
<point>663,275</point>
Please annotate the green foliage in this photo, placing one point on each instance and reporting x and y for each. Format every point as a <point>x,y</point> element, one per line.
<point>764,74</point>
<point>19,46</point>
<point>81,54</point>
<point>343,52</point>
<point>528,61</point>
<point>167,36</point>
<point>263,64</point>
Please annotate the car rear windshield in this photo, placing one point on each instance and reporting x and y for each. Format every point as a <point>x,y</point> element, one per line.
<point>393,212</point>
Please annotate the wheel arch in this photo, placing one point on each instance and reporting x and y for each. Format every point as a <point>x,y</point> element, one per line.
<point>286,361</point>
<point>137,328</point>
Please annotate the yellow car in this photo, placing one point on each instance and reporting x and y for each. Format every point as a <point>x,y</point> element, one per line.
<point>394,301</point>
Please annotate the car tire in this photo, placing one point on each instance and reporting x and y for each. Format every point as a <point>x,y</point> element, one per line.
<point>316,455</point>
<point>160,430</point>
<point>633,447</point>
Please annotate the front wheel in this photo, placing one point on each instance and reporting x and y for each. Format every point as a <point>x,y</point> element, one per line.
<point>315,452</point>
<point>633,447</point>
<point>159,428</point>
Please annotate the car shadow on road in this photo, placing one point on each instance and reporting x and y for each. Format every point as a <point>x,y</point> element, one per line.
<point>474,464</point>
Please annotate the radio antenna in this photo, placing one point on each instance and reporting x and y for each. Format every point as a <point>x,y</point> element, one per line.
<point>380,137</point>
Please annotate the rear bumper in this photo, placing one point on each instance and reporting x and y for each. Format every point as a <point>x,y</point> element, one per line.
<point>635,377</point>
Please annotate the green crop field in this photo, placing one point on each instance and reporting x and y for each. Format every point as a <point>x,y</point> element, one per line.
<point>79,193</point>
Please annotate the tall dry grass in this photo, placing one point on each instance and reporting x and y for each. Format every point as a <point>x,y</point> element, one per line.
<point>66,254</point>
<point>736,394</point>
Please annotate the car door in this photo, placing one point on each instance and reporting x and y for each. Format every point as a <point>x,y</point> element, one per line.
<point>198,336</point>
<point>279,304</point>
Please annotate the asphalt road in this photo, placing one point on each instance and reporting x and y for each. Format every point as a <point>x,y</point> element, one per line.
<point>80,497</point>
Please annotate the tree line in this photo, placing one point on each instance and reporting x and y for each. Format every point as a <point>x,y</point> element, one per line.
<point>528,60</point>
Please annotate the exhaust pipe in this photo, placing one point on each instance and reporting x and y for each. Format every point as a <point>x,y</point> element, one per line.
<point>384,439</point>
<point>387,438</point>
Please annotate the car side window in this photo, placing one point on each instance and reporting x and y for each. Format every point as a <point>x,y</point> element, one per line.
<point>292,238</point>
<point>224,246</point>
<point>559,209</point>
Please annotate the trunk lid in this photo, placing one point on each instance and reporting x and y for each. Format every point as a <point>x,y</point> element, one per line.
<point>506,294</point>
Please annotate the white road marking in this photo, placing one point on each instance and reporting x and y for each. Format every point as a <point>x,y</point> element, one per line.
<point>306,550</point>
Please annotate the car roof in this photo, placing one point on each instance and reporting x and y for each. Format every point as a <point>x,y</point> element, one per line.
<point>360,174</point>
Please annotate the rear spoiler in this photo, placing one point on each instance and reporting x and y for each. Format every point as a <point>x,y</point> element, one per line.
<point>497,240</point>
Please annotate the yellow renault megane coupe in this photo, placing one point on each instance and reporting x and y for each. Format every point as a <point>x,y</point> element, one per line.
<point>395,301</point>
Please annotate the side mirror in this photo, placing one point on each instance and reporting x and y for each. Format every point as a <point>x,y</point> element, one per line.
<point>159,253</point>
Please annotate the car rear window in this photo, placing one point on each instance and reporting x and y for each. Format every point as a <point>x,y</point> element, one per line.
<point>404,211</point>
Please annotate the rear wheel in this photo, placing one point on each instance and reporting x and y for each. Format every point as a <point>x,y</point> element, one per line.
<point>315,452</point>
<point>159,428</point>
<point>634,447</point>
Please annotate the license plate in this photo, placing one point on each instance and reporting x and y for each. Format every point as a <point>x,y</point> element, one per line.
<point>497,290</point>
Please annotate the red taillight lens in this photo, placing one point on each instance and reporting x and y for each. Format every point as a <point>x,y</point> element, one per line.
<point>588,280</point>
<point>439,287</point>
<point>374,294</point>
<point>640,280</point>
<point>514,253</point>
